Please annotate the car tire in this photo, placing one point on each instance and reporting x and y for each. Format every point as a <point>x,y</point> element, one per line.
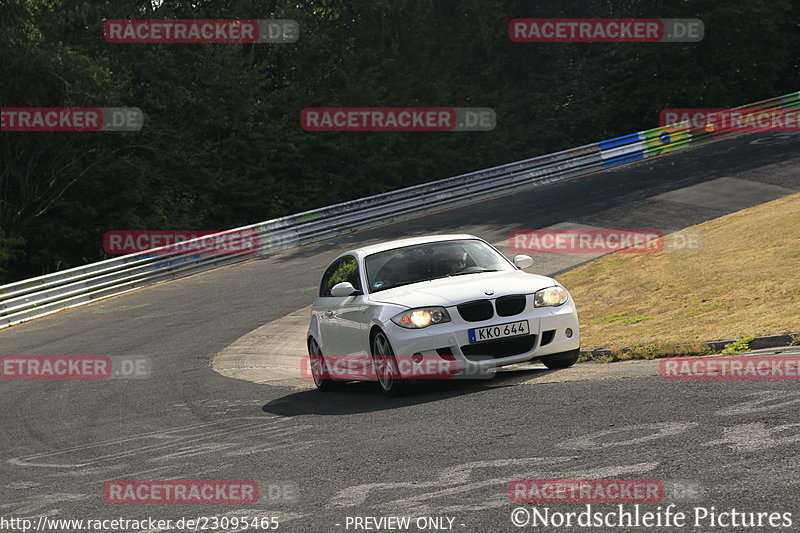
<point>386,368</point>
<point>561,360</point>
<point>319,369</point>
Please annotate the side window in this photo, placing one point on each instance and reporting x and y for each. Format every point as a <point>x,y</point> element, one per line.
<point>344,269</point>
<point>324,286</point>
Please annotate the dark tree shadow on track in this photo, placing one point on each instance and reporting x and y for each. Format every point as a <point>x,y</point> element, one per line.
<point>575,199</point>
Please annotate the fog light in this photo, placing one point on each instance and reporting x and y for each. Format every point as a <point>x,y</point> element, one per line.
<point>568,332</point>
<point>417,357</point>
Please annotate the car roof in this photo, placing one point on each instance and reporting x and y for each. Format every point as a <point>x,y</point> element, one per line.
<point>410,241</point>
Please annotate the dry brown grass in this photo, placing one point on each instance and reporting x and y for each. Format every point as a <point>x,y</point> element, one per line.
<point>744,281</point>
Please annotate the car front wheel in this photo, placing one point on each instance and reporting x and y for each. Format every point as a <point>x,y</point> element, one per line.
<point>386,369</point>
<point>319,369</point>
<point>561,360</point>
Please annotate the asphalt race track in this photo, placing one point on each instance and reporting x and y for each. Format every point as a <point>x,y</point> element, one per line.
<point>443,451</point>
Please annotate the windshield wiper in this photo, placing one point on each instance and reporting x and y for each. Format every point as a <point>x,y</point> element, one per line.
<point>437,277</point>
<point>477,271</point>
<point>412,282</point>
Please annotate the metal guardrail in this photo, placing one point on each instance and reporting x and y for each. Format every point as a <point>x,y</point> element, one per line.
<point>36,297</point>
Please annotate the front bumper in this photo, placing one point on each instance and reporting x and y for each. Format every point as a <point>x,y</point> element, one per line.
<point>548,327</point>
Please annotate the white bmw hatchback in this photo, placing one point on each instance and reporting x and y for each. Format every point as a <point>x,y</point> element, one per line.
<point>452,299</point>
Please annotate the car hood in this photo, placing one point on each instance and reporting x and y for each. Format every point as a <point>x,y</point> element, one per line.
<point>455,290</point>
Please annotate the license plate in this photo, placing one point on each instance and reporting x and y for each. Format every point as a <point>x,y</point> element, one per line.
<point>500,331</point>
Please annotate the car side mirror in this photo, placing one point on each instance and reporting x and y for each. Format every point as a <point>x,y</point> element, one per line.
<point>344,288</point>
<point>523,261</point>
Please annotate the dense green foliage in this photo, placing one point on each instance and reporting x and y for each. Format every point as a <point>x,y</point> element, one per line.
<point>222,144</point>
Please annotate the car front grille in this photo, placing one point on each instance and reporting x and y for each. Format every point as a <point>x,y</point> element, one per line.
<point>510,305</point>
<point>501,347</point>
<point>476,310</point>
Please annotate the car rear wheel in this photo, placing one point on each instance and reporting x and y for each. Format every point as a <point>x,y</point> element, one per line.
<point>319,369</point>
<point>386,369</point>
<point>561,360</point>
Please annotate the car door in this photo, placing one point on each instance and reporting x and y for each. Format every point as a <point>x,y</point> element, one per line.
<point>342,319</point>
<point>324,310</point>
<point>350,312</point>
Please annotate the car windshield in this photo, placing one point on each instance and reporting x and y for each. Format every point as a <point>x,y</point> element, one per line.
<point>424,262</point>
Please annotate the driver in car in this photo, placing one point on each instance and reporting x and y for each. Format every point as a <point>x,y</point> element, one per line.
<point>455,262</point>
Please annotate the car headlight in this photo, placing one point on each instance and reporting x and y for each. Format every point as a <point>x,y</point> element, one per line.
<point>422,317</point>
<point>550,297</point>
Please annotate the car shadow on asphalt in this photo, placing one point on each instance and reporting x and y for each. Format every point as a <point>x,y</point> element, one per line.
<point>365,397</point>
